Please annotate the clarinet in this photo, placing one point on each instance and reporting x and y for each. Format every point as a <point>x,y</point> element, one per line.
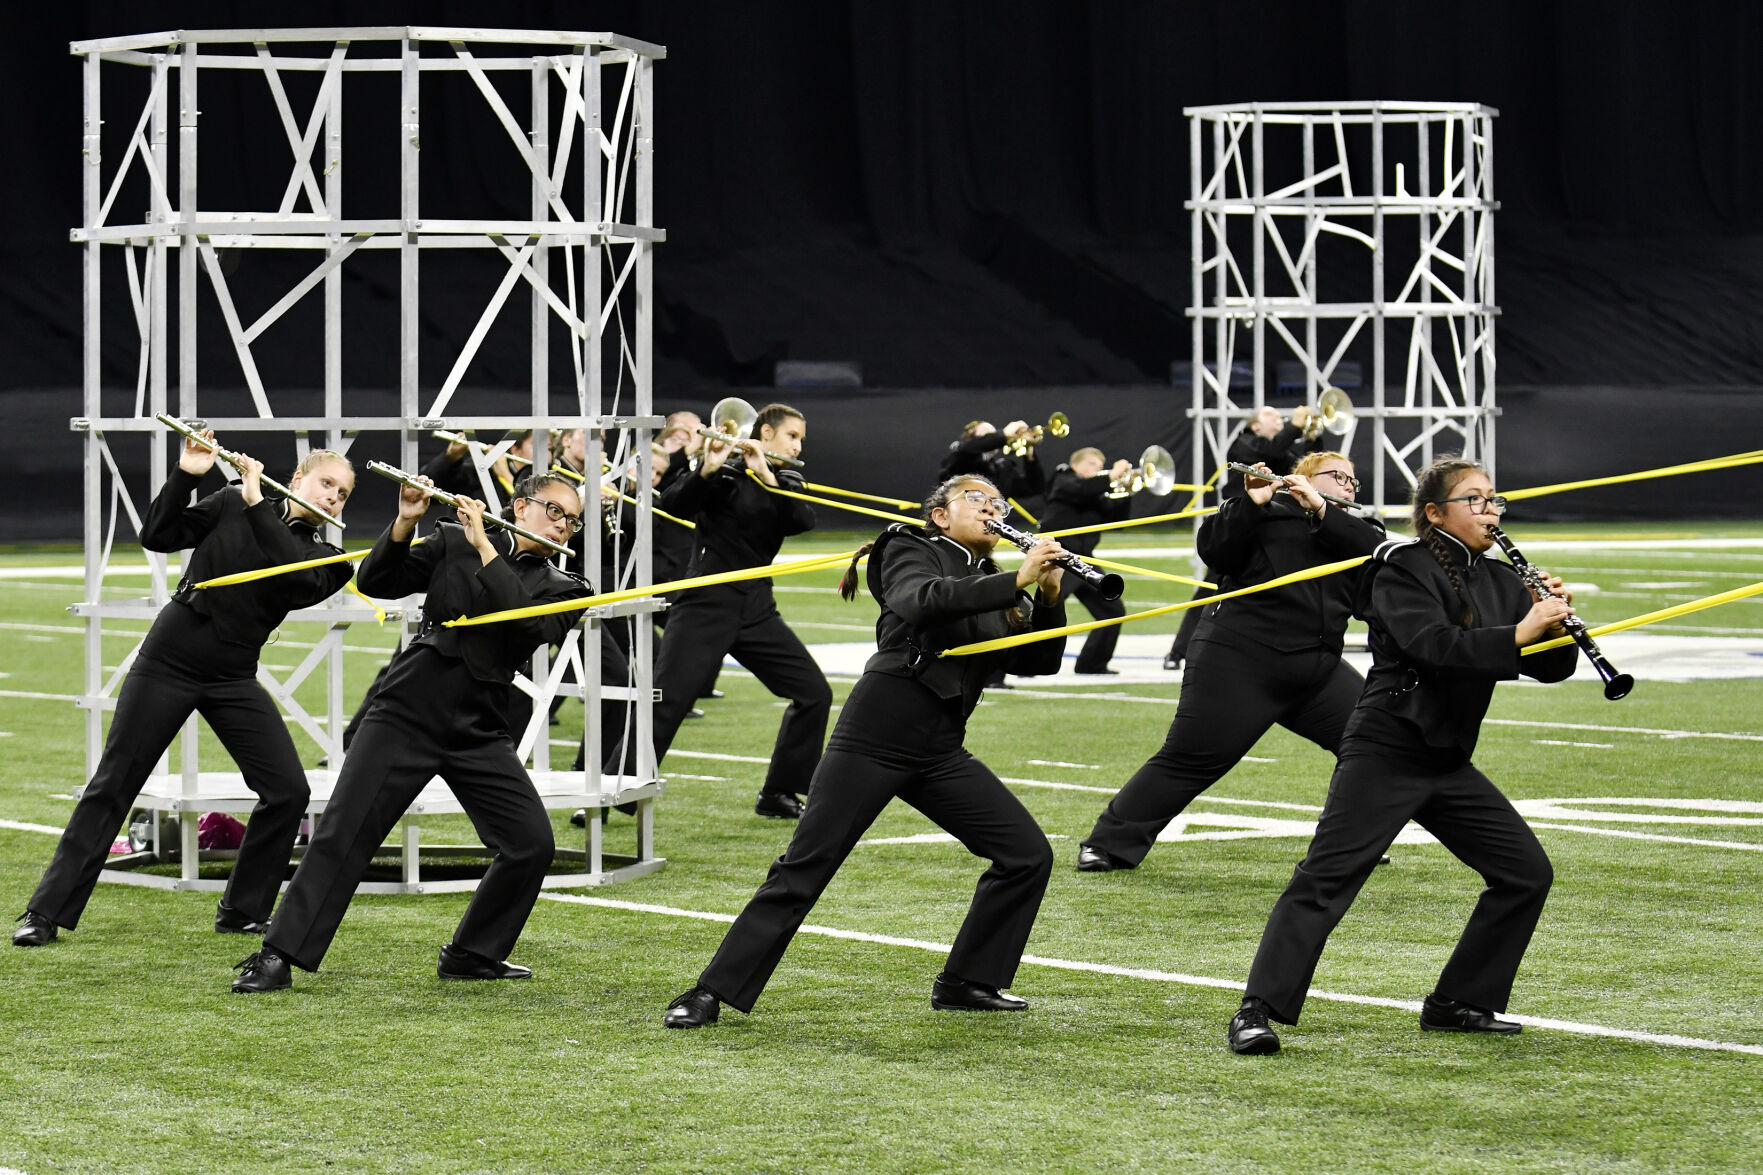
<point>1107,583</point>
<point>1616,685</point>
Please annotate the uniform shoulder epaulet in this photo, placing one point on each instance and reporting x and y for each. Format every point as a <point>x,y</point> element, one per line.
<point>1388,549</point>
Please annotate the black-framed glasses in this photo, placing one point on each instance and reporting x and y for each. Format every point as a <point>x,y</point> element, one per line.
<point>557,513</point>
<point>1479,504</point>
<point>980,498</point>
<point>1345,479</point>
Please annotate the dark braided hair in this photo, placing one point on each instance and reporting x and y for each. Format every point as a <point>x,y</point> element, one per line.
<point>1434,484</point>
<point>938,499</point>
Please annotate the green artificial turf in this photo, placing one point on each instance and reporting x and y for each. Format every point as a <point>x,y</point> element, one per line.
<point>129,1053</point>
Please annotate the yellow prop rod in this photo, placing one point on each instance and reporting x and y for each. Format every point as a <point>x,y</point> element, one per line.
<point>896,503</point>
<point>1751,458</point>
<point>1154,518</point>
<point>823,501</point>
<point>801,566</point>
<point>1032,520</point>
<point>1675,610</point>
<point>1010,642</point>
<point>1129,569</point>
<point>283,569</point>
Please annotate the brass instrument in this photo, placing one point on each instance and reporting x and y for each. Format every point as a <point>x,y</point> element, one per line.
<point>232,458</point>
<point>1058,425</point>
<point>731,422</point>
<point>1154,474</point>
<point>1616,685</point>
<point>1364,509</point>
<point>1108,583</point>
<point>1333,412</point>
<point>447,499</point>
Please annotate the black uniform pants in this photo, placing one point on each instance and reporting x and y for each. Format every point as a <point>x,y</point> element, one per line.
<point>153,703</point>
<point>1190,620</point>
<point>853,784</point>
<point>1098,647</point>
<point>402,743</point>
<point>1230,697</point>
<point>711,623</point>
<point>1370,798</point>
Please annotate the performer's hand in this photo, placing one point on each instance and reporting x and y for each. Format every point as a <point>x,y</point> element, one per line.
<point>1260,490</point>
<point>1556,586</point>
<point>1300,414</point>
<point>196,459</point>
<point>1051,582</point>
<point>470,512</point>
<point>413,503</point>
<point>250,479</point>
<point>1305,493</point>
<point>716,455</point>
<point>1543,619</point>
<point>1015,428</point>
<point>758,464</point>
<point>1036,560</point>
<point>456,450</point>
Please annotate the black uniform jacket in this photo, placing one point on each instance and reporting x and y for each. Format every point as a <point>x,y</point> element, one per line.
<point>1280,452</point>
<point>1081,501</point>
<point>456,477</point>
<point>1017,477</point>
<point>229,536</point>
<point>1428,671</point>
<point>1245,544</point>
<point>459,583</point>
<point>935,594</point>
<point>740,522</point>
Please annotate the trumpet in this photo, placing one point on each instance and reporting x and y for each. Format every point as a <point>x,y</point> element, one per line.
<point>1109,584</point>
<point>232,458</point>
<point>731,422</point>
<point>459,438</point>
<point>1057,425</point>
<point>446,499</point>
<point>1333,411</point>
<point>1616,685</point>
<point>1155,473</point>
<point>1360,508</point>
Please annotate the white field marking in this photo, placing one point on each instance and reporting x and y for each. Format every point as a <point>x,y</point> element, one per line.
<point>5,734</point>
<point>715,755</point>
<point>1581,809</point>
<point>1659,836</point>
<point>35,638</point>
<point>1169,976</point>
<point>1261,803</point>
<point>1257,759</point>
<point>1681,571</point>
<point>1592,726</point>
<point>75,630</point>
<point>1249,827</point>
<point>14,693</point>
<point>1668,627</point>
<point>21,826</point>
<point>935,838</point>
<point>683,775</point>
<point>78,571</point>
<point>1047,783</point>
<point>1559,742</point>
<point>1024,690</point>
<point>1061,763</point>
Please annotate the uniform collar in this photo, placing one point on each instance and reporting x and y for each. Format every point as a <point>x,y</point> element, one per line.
<point>1460,554</point>
<point>984,564</point>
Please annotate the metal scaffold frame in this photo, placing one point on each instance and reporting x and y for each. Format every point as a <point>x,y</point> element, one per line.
<point>584,249</point>
<point>1348,169</point>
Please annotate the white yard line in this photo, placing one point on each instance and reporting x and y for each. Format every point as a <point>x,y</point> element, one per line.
<point>1671,1039</point>
<point>1750,738</point>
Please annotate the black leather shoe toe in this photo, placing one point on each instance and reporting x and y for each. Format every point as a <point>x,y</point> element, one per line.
<point>1093,860</point>
<point>951,994</point>
<point>694,1009</point>
<point>778,806</point>
<point>264,971</point>
<point>461,964</point>
<point>229,921</point>
<point>36,931</point>
<point>1438,1014</point>
<point>1250,1034</point>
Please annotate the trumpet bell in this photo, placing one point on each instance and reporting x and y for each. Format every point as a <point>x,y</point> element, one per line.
<point>1336,410</point>
<point>1059,424</point>
<point>734,416</point>
<point>1156,471</point>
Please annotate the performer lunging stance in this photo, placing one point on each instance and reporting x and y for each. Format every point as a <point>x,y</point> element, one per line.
<point>900,734</point>
<point>201,657</point>
<point>442,710</point>
<point>1446,624</point>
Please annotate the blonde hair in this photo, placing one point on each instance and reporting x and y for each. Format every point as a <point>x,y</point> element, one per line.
<point>1311,462</point>
<point>319,456</point>
<point>1087,451</point>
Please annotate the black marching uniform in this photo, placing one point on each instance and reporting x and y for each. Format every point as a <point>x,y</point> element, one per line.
<point>442,710</point>
<point>740,524</point>
<point>1273,656</point>
<point>201,656</point>
<point>900,733</point>
<point>1405,756</point>
<point>1084,501</point>
<point>1281,453</point>
<point>1016,477</point>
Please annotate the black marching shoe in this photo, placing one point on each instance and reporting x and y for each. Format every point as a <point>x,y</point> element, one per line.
<point>457,963</point>
<point>951,994</point>
<point>1439,1014</point>
<point>37,930</point>
<point>1091,859</point>
<point>1250,1034</point>
<point>778,805</point>
<point>264,971</point>
<point>1102,672</point>
<point>694,1009</point>
<point>229,921</point>
<point>1172,662</point>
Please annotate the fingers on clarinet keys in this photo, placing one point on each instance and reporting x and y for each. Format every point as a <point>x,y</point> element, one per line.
<point>264,971</point>
<point>1439,1014</point>
<point>230,921</point>
<point>34,931</point>
<point>951,993</point>
<point>1091,859</point>
<point>1250,1034</point>
<point>778,806</point>
<point>457,963</point>
<point>694,1009</point>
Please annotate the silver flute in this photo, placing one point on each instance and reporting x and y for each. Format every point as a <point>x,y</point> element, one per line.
<point>446,499</point>
<point>232,458</point>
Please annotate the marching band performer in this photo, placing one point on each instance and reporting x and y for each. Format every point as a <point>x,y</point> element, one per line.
<point>1081,494</point>
<point>900,734</point>
<point>1446,623</point>
<point>984,451</point>
<point>740,525</point>
<point>201,656</point>
<point>1272,656</point>
<point>442,710</point>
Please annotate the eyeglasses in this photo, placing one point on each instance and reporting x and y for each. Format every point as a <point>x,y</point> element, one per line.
<point>979,498</point>
<point>557,513</point>
<point>1345,479</point>
<point>1479,504</point>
